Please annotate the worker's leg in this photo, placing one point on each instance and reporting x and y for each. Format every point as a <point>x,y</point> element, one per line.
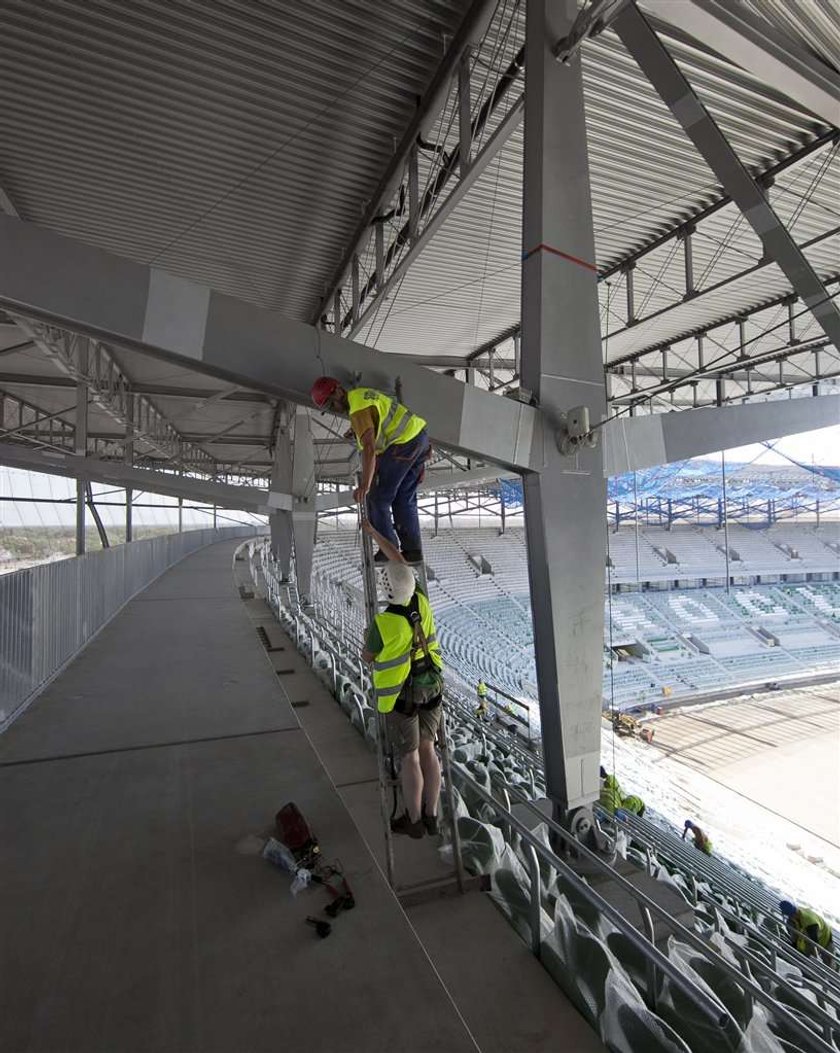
<point>380,497</point>
<point>392,469</point>
<point>429,722</point>
<point>405,736</point>
<point>411,777</point>
<point>430,767</point>
<point>406,520</point>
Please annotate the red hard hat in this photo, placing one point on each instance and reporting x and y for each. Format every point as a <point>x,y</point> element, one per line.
<point>322,389</point>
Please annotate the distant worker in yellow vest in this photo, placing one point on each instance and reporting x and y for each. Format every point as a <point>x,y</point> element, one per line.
<point>481,708</point>
<point>803,922</point>
<point>395,446</point>
<point>612,798</point>
<point>701,839</point>
<point>401,643</point>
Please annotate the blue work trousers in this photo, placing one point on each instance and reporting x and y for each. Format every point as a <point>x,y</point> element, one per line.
<point>392,500</point>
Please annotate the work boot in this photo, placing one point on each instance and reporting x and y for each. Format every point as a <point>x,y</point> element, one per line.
<point>430,822</point>
<point>404,825</point>
<point>413,556</point>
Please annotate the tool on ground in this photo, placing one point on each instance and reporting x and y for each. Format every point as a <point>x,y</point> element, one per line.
<point>322,928</point>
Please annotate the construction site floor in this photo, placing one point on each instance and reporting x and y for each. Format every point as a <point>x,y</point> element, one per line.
<point>136,917</point>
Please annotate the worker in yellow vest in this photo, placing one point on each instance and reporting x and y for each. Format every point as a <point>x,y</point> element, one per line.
<point>402,646</point>
<point>701,838</point>
<point>481,708</point>
<point>394,445</point>
<point>803,922</point>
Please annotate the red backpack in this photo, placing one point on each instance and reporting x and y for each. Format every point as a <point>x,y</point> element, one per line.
<point>293,830</point>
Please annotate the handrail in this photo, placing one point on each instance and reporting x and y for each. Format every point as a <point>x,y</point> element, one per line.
<point>719,876</point>
<point>724,882</point>
<point>786,953</point>
<point>651,905</point>
<point>712,1009</point>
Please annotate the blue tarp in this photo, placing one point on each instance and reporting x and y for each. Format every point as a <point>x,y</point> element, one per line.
<point>687,480</point>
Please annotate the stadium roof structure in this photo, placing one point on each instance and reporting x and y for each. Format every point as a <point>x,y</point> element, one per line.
<point>274,152</point>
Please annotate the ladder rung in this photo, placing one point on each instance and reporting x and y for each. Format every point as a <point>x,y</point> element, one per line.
<point>423,891</point>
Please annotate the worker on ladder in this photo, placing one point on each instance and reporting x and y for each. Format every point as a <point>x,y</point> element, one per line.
<point>394,445</point>
<point>481,693</point>
<point>401,643</point>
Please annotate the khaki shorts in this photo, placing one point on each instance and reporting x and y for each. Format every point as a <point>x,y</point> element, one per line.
<point>406,732</point>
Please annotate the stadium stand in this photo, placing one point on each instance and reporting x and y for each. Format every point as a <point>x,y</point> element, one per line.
<point>661,643</point>
<point>716,971</point>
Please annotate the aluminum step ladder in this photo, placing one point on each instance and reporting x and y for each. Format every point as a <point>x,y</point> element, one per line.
<point>388,775</point>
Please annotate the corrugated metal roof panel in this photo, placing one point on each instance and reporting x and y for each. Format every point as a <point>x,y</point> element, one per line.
<point>234,143</point>
<point>815,24</point>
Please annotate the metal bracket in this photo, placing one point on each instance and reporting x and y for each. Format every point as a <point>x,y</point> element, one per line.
<point>573,432</point>
<point>589,23</point>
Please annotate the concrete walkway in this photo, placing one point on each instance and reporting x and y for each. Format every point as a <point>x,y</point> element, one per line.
<point>132,917</point>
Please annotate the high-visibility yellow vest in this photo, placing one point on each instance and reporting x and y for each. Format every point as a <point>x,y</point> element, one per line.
<point>610,798</point>
<point>633,804</point>
<point>393,663</point>
<point>395,424</point>
<point>804,919</point>
<point>482,689</point>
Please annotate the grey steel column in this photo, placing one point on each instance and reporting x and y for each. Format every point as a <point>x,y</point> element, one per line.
<point>129,460</point>
<point>304,515</point>
<point>280,521</point>
<point>80,444</point>
<point>565,502</point>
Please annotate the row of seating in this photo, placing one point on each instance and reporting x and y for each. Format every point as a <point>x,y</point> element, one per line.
<point>632,1006</point>
<point>688,641</point>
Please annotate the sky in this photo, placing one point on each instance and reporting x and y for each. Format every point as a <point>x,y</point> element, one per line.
<point>818,447</point>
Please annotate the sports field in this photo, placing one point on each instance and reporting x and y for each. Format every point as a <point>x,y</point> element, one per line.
<point>780,749</point>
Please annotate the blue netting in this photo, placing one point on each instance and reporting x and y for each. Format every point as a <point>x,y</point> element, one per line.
<point>690,480</point>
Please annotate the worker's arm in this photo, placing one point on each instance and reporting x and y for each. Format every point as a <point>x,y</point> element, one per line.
<point>372,644</point>
<point>391,551</point>
<point>368,442</point>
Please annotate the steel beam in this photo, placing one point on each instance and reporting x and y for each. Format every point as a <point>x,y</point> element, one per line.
<point>80,448</point>
<point>109,396</point>
<point>128,457</point>
<point>633,443</point>
<point>751,42</point>
<point>247,498</point>
<point>420,240</point>
<point>280,521</point>
<point>83,288</point>
<point>304,514</point>
<point>678,95</point>
<point>57,382</point>
<point>436,480</point>
<point>472,29</point>
<point>561,364</point>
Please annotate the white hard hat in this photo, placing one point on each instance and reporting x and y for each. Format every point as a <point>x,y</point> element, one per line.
<point>398,583</point>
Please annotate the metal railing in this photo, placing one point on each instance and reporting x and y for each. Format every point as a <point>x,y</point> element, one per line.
<point>727,882</point>
<point>50,612</point>
<point>815,1034</point>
